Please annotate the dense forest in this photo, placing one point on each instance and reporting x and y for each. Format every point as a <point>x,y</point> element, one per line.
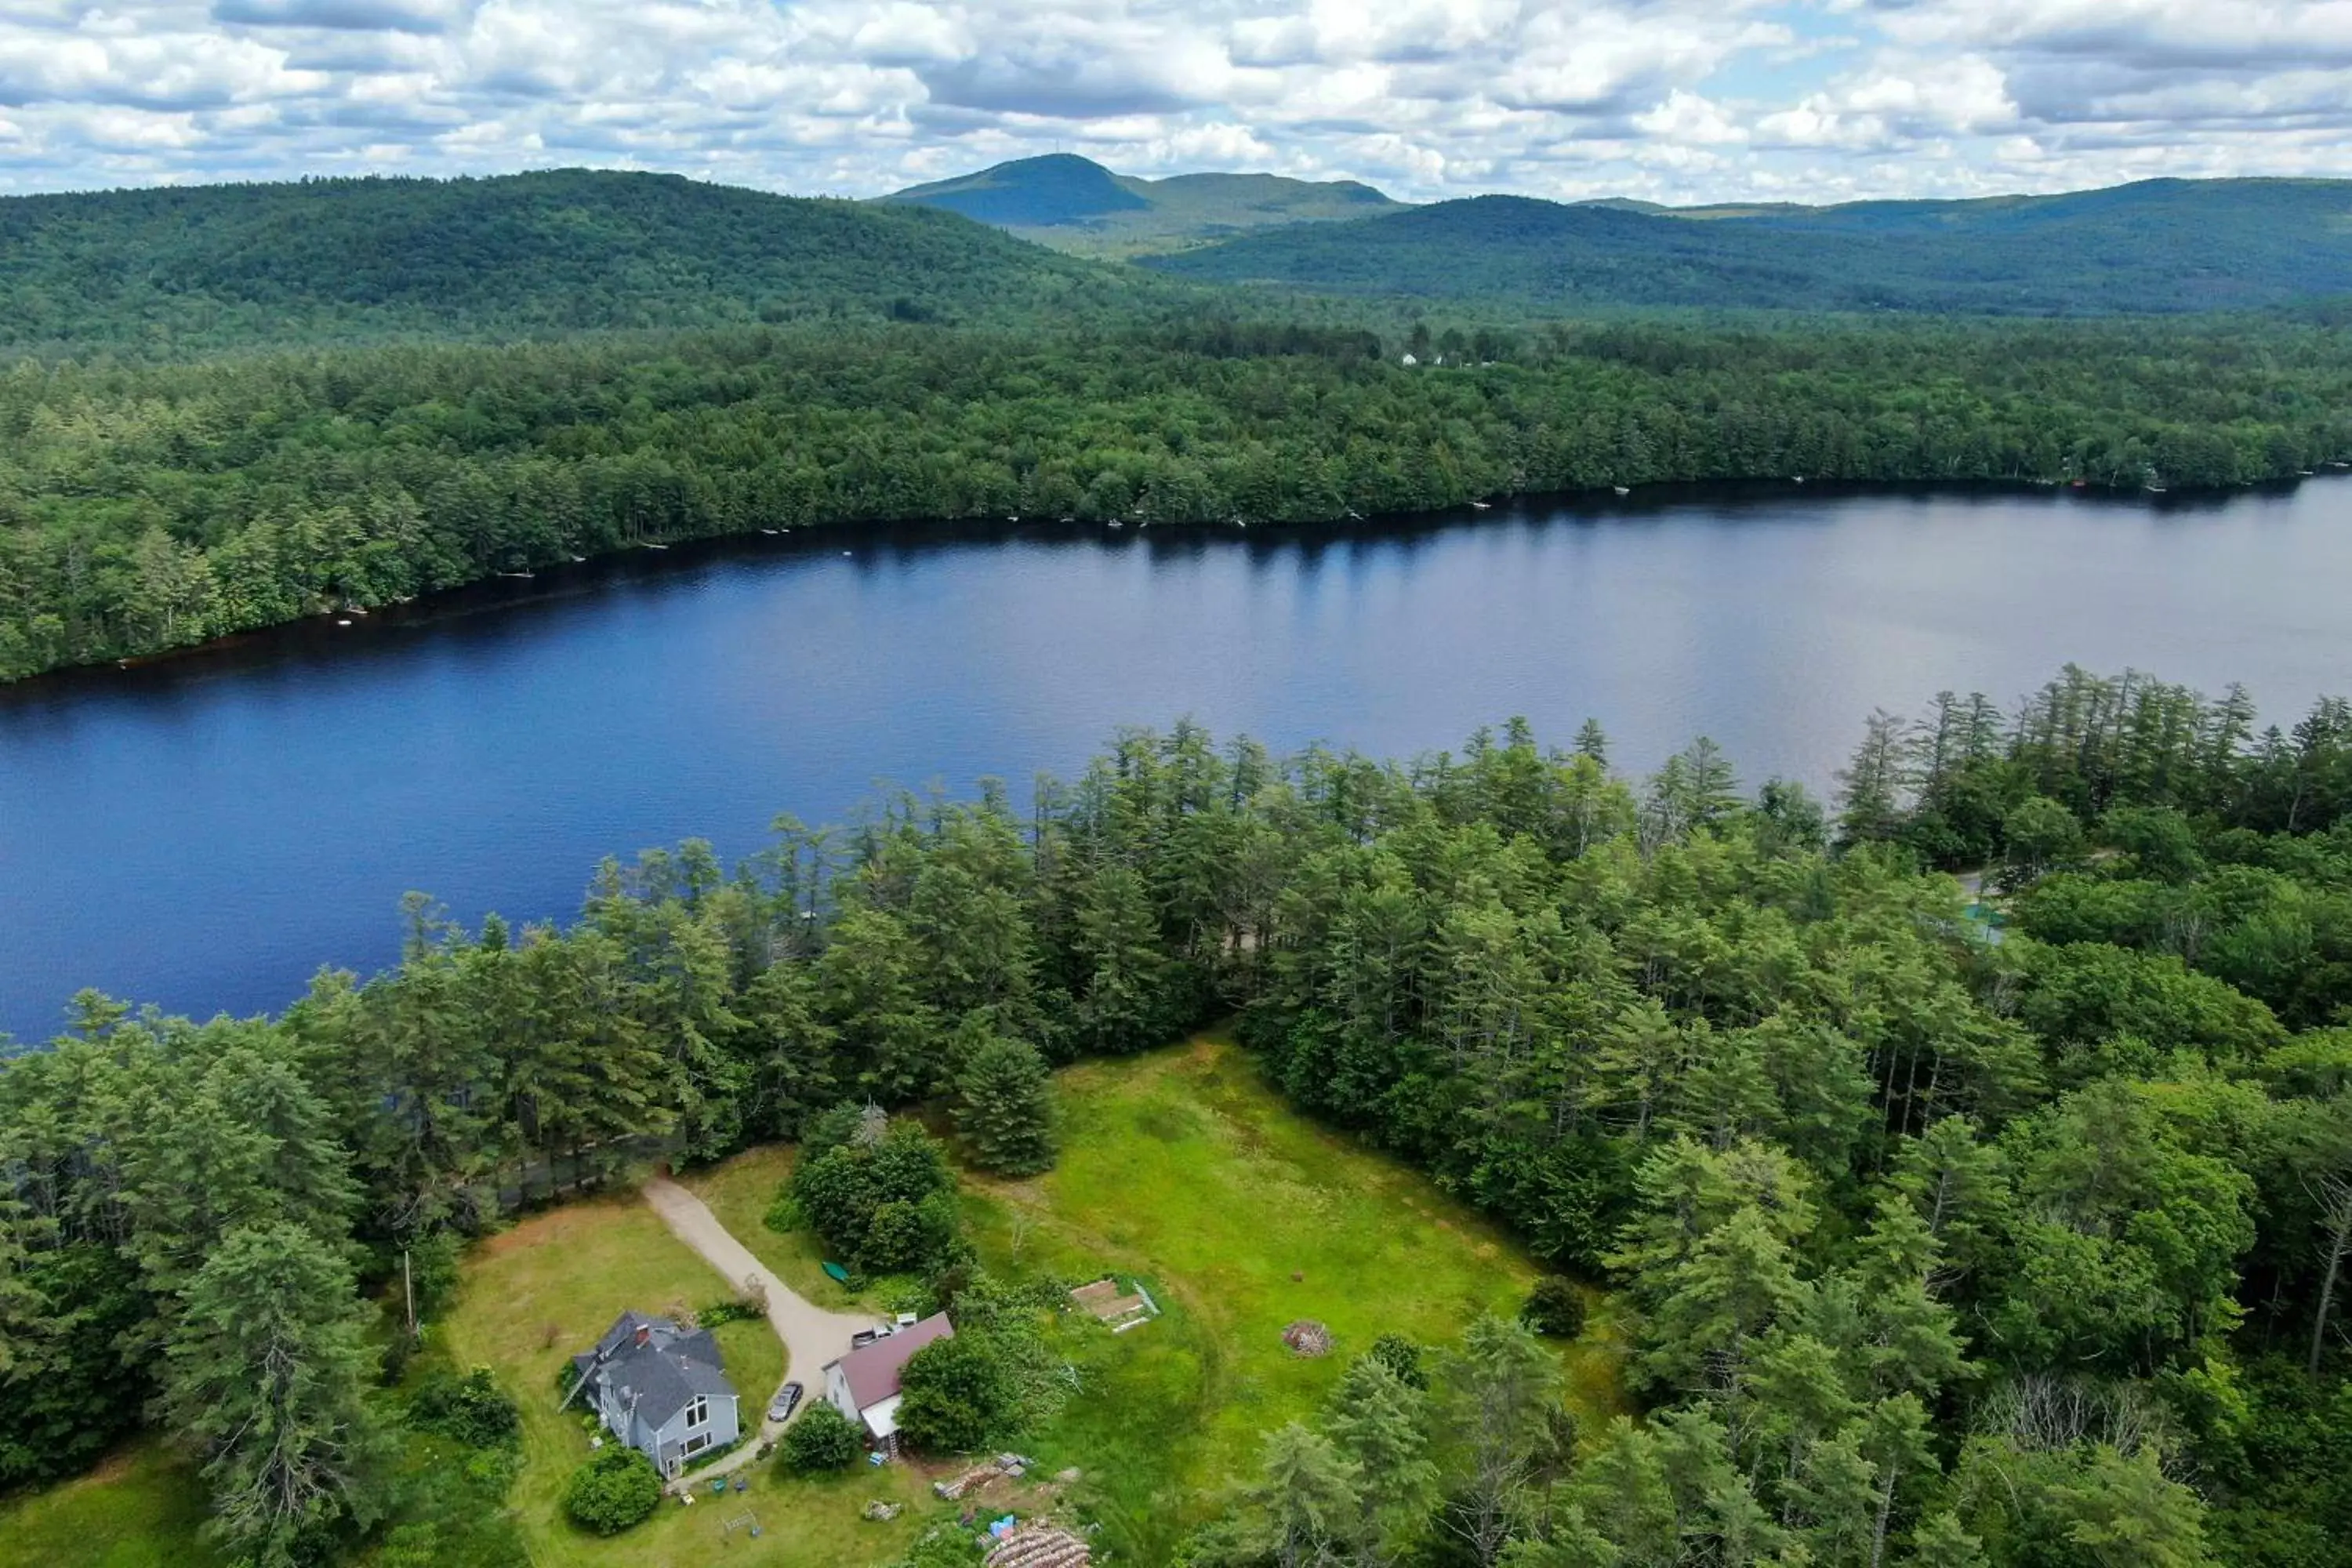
<point>179,271</point>
<point>1074,203</point>
<point>2162,245</point>
<point>144,508</point>
<point>1940,1243</point>
<point>233,406</point>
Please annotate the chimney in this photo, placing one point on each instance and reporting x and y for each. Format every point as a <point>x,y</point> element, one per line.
<point>644,1332</point>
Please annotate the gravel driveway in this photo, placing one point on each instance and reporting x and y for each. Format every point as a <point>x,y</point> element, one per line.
<point>812,1337</point>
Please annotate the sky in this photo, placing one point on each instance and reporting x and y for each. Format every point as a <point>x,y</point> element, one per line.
<point>1675,101</point>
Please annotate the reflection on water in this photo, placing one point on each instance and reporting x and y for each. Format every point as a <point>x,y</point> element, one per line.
<point>205,831</point>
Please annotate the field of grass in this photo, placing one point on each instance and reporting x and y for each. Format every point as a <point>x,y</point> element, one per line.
<point>534,1294</point>
<point>739,1191</point>
<point>1183,1169</point>
<point>140,1508</point>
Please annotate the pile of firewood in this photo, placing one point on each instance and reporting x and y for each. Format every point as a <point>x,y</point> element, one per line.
<point>1037,1545</point>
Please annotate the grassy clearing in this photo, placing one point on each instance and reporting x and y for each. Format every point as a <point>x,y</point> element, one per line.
<point>1181,1168</point>
<point>1184,1169</point>
<point>140,1509</point>
<point>739,1191</point>
<point>534,1294</point>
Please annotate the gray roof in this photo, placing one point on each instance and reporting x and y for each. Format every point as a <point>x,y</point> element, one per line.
<point>659,1377</point>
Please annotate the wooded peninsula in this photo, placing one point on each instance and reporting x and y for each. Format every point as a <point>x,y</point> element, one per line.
<point>2004,1228</point>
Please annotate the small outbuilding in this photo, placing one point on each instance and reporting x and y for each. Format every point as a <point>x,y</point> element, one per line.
<point>659,1388</point>
<point>864,1385</point>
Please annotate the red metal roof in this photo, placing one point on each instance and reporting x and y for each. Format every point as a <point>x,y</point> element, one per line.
<point>872,1371</point>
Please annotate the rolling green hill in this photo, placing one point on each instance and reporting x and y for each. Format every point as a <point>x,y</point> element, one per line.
<point>559,251</point>
<point>2160,246</point>
<point>1074,203</point>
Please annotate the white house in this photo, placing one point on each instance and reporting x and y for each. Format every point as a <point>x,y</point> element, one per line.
<point>864,1385</point>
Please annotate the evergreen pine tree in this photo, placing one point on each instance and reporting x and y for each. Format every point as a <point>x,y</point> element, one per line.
<point>1379,1424</point>
<point>262,1378</point>
<point>1311,1498</point>
<point>1004,1106</point>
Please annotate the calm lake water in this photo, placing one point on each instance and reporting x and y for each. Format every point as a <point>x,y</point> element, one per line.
<point>207,832</point>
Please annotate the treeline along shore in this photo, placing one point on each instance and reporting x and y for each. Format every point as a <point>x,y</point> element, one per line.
<point>1929,1248</point>
<point>145,507</point>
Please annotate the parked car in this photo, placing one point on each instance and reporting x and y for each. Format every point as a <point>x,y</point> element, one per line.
<point>863,1338</point>
<point>787,1400</point>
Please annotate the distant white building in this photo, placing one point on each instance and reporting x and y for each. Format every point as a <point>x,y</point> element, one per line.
<point>864,1385</point>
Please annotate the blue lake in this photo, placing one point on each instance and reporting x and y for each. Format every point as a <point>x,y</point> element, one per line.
<point>205,832</point>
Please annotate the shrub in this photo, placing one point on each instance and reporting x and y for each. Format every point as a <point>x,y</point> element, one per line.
<point>616,1488</point>
<point>822,1440</point>
<point>398,1351</point>
<point>433,1271</point>
<point>886,1204</point>
<point>1556,1308</point>
<point>473,1409</point>
<point>957,1395</point>
<point>943,1546</point>
<point>1401,1356</point>
<point>741,1310</point>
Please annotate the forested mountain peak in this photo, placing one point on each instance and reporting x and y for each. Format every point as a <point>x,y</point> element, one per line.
<point>1053,189</point>
<point>2251,192</point>
<point>555,250</point>
<point>2157,246</point>
<point>1075,204</point>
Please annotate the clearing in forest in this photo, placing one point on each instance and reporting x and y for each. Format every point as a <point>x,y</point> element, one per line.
<point>1184,1172</point>
<point>1180,1172</point>
<point>1184,1169</point>
<point>534,1294</point>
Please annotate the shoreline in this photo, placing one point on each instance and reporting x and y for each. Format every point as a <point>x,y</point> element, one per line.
<point>652,560</point>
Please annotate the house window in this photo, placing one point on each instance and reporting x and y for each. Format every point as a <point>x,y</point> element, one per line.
<point>697,1413</point>
<point>697,1444</point>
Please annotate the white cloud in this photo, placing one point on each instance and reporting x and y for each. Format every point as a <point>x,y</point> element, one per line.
<point>1687,119</point>
<point>1674,100</point>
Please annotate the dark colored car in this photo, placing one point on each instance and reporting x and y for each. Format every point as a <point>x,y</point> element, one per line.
<point>787,1400</point>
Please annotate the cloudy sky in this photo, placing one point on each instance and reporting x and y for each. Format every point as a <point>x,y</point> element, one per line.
<point>1674,99</point>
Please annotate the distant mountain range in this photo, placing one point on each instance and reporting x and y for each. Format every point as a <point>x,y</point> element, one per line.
<point>1074,203</point>
<point>186,269</point>
<point>191,268</point>
<point>2158,246</point>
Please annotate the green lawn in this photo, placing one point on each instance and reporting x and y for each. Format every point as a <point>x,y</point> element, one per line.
<point>1184,1169</point>
<point>534,1294</point>
<point>138,1509</point>
<point>739,1191</point>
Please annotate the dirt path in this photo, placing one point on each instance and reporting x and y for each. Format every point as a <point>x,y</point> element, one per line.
<point>812,1337</point>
